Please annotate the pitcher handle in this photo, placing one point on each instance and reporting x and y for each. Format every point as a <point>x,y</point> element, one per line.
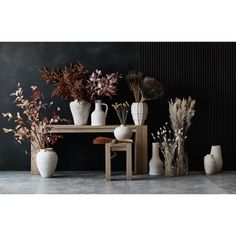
<point>104,104</point>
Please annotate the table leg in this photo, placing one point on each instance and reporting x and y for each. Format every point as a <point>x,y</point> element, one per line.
<point>34,168</point>
<point>129,162</point>
<point>108,161</point>
<point>145,149</point>
<point>141,157</point>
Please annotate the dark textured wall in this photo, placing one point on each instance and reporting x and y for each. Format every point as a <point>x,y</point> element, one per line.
<point>206,71</point>
<point>20,62</point>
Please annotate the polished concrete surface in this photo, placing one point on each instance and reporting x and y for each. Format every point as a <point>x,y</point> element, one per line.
<point>22,182</point>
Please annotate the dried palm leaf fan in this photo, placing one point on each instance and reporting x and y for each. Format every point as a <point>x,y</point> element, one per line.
<point>151,89</point>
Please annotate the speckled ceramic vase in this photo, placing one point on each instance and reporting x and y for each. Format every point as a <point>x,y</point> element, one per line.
<point>46,161</point>
<point>80,111</point>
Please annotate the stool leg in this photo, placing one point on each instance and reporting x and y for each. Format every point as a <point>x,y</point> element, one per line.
<point>108,161</point>
<point>129,162</point>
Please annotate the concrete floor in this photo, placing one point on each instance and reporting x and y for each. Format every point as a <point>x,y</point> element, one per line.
<point>22,182</point>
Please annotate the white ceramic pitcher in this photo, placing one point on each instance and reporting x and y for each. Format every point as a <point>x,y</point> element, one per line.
<point>98,116</point>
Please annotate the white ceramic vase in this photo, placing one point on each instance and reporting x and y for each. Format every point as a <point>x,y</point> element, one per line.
<point>216,152</point>
<point>46,160</point>
<point>98,116</point>
<point>209,164</point>
<point>139,111</point>
<point>155,164</point>
<point>122,132</point>
<point>80,111</point>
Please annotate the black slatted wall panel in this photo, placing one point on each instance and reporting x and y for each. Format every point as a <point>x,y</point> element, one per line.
<point>206,71</point>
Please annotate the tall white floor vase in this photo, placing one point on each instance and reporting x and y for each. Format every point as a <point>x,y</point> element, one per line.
<point>80,111</point>
<point>139,111</point>
<point>155,164</point>
<point>216,152</point>
<point>98,116</point>
<point>46,161</point>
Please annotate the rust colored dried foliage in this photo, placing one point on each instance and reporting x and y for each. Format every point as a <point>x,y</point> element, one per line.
<point>70,83</point>
<point>30,122</point>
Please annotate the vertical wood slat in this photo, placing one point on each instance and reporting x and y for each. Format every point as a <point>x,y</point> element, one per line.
<point>206,71</point>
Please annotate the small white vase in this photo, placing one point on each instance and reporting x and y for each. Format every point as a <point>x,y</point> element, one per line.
<point>139,111</point>
<point>98,116</point>
<point>216,152</point>
<point>46,160</point>
<point>209,164</point>
<point>80,111</point>
<point>122,132</point>
<point>155,164</point>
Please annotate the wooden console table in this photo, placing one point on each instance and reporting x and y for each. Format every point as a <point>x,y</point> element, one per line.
<point>140,143</point>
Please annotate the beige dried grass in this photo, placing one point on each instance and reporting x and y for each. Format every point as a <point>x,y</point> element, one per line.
<point>181,113</point>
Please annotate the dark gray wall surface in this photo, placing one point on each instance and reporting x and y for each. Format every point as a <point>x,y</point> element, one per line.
<point>20,62</point>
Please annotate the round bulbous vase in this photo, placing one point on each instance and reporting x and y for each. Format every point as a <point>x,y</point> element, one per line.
<point>155,164</point>
<point>209,164</point>
<point>139,111</point>
<point>80,111</point>
<point>46,161</point>
<point>216,152</point>
<point>98,116</point>
<point>122,132</point>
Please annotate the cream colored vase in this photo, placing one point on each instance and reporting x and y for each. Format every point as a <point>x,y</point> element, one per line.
<point>80,111</point>
<point>216,152</point>
<point>139,111</point>
<point>46,161</point>
<point>122,132</point>
<point>155,164</point>
<point>209,164</point>
<point>98,116</point>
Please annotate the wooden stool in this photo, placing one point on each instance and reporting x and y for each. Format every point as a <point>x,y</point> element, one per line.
<point>127,147</point>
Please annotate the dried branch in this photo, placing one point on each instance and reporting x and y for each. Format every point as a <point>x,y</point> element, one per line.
<point>30,123</point>
<point>69,83</point>
<point>122,110</point>
<point>143,89</point>
<point>101,85</point>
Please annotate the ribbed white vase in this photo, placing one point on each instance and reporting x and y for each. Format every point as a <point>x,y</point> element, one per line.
<point>139,111</point>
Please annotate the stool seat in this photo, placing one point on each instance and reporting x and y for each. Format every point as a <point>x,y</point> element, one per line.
<point>127,147</point>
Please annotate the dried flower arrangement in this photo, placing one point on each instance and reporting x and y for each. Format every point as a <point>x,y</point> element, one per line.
<point>70,83</point>
<point>122,110</point>
<point>144,88</point>
<point>30,123</point>
<point>181,113</point>
<point>101,85</point>
<point>167,140</point>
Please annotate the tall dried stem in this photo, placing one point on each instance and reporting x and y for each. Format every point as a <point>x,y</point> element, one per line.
<point>181,113</point>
